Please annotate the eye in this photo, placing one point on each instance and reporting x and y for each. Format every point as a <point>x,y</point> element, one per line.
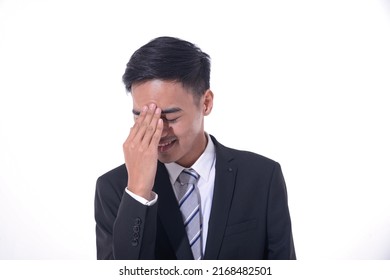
<point>171,120</point>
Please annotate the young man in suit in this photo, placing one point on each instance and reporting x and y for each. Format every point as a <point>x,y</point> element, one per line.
<point>181,194</point>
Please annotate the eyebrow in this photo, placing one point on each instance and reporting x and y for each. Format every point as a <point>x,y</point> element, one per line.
<point>163,112</point>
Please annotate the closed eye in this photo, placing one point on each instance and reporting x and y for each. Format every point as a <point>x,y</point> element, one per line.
<point>171,120</point>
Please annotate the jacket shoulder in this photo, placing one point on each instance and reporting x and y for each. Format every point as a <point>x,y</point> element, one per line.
<point>252,162</point>
<point>115,179</point>
<point>242,157</point>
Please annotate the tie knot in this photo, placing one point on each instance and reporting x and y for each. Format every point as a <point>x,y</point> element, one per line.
<point>188,176</point>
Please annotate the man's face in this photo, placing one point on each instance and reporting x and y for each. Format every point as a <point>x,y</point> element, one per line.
<point>183,139</point>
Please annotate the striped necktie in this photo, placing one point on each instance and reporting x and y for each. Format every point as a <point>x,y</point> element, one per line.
<point>189,203</point>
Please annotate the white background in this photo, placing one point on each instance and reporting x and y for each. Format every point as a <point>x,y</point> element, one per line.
<point>305,83</point>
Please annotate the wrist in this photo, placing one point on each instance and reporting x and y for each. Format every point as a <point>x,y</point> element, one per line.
<point>146,194</point>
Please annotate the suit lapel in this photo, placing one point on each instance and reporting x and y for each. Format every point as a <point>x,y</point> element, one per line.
<point>225,173</point>
<point>170,216</point>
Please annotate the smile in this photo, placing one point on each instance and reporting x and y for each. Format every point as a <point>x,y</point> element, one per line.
<point>165,146</point>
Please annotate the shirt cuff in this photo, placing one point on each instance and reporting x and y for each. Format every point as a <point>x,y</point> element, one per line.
<point>142,200</point>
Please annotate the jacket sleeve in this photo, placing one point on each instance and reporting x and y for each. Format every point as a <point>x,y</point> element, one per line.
<point>279,231</point>
<point>125,228</point>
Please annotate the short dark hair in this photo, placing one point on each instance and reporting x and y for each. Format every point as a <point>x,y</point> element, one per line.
<point>170,59</point>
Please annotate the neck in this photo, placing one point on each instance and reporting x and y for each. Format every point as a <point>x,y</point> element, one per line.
<point>202,147</point>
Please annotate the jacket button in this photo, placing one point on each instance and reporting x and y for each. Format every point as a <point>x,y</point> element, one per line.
<point>138,221</point>
<point>135,235</point>
<point>136,229</point>
<point>134,243</point>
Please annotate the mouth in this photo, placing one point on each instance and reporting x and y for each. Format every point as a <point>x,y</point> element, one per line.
<point>164,146</point>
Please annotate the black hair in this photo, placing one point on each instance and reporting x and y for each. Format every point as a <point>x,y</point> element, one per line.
<point>170,59</point>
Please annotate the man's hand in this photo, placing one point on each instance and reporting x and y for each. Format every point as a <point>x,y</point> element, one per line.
<point>140,150</point>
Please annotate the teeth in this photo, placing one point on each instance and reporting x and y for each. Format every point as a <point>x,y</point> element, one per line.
<point>165,144</point>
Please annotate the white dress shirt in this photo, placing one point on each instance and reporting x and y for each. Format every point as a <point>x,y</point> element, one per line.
<point>205,167</point>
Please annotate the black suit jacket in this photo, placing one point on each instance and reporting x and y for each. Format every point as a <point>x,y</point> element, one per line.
<point>249,216</point>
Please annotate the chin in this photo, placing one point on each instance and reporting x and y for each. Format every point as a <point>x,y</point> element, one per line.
<point>166,159</point>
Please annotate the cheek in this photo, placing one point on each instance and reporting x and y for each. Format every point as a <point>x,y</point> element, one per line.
<point>187,127</point>
<point>182,129</point>
<point>179,129</point>
<point>187,130</point>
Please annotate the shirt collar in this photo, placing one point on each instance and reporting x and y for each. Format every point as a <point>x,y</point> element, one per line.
<point>202,166</point>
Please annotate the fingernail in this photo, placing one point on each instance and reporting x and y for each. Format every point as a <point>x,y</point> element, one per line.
<point>152,106</point>
<point>145,108</point>
<point>158,111</point>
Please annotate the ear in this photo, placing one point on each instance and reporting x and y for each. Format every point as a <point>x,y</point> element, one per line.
<point>208,99</point>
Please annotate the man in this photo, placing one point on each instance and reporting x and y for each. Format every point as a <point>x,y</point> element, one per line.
<point>181,194</point>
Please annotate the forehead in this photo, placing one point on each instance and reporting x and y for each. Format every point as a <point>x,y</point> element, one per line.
<point>162,93</point>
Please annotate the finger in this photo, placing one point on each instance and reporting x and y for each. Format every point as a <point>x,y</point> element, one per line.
<point>151,128</point>
<point>145,123</point>
<point>137,124</point>
<point>157,134</point>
